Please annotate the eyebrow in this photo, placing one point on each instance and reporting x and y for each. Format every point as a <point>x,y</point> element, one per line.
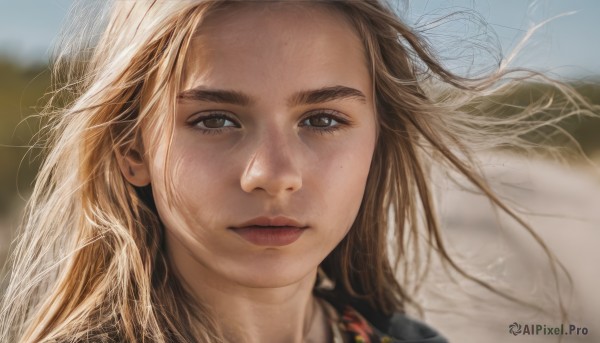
<point>326,94</point>
<point>215,95</point>
<point>308,97</point>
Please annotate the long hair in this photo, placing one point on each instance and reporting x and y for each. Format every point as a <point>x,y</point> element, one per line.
<point>90,263</point>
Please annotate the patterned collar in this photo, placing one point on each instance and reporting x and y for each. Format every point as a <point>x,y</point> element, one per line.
<point>351,326</point>
<point>347,325</point>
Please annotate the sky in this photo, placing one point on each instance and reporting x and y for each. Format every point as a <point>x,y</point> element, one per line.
<point>568,45</point>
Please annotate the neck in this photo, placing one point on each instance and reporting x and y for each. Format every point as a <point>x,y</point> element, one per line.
<point>288,314</point>
<point>274,315</point>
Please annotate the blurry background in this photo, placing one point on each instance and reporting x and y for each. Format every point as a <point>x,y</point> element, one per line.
<point>567,47</point>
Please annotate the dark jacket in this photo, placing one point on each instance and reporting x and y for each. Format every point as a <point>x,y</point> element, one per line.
<point>406,330</point>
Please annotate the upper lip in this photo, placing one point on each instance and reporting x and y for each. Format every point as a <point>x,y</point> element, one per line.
<point>271,221</point>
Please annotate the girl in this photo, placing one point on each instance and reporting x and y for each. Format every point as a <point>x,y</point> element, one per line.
<point>230,171</point>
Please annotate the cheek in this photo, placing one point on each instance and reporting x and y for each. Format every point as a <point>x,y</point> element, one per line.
<point>340,177</point>
<point>195,182</point>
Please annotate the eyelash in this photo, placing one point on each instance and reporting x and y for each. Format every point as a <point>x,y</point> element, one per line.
<point>334,115</point>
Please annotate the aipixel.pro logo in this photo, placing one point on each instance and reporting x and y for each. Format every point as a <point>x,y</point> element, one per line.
<point>546,330</point>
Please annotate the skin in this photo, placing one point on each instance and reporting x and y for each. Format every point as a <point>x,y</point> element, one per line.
<point>266,159</point>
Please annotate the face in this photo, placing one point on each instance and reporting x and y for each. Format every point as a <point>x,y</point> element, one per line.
<point>275,121</point>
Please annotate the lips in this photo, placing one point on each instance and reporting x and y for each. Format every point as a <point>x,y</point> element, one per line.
<point>270,231</point>
<point>274,222</point>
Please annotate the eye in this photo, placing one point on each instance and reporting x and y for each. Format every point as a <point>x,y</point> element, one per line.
<point>319,121</point>
<point>324,121</point>
<point>213,122</point>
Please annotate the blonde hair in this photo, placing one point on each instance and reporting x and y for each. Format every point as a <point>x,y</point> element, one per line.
<point>90,263</point>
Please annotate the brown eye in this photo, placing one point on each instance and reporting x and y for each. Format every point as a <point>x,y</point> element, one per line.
<point>214,123</point>
<point>320,121</point>
<point>325,121</point>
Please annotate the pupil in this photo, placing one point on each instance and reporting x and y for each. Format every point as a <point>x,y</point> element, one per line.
<point>214,122</point>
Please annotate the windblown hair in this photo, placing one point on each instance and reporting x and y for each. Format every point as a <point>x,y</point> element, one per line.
<point>90,263</point>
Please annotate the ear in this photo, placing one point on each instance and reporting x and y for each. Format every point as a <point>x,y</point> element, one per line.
<point>133,167</point>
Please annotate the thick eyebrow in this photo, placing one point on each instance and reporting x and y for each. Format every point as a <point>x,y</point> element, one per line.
<point>308,97</point>
<point>215,95</point>
<point>326,94</point>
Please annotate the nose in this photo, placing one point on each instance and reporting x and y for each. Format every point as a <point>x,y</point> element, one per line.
<point>273,167</point>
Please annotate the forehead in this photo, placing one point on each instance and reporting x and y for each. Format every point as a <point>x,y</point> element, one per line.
<point>288,44</point>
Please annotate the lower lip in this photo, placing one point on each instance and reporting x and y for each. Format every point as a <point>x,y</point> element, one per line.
<point>279,236</point>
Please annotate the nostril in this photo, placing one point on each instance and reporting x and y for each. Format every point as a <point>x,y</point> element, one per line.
<point>271,179</point>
